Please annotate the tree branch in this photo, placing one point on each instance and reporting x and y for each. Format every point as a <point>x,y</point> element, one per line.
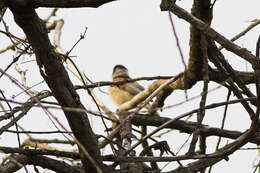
<point>63,3</point>
<point>207,30</point>
<point>42,161</point>
<point>54,73</point>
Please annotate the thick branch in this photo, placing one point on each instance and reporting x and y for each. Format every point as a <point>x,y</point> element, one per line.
<point>54,73</point>
<point>189,127</point>
<point>27,151</point>
<point>58,166</point>
<point>63,3</point>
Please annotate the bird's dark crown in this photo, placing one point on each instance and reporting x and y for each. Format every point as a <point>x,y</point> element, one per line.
<point>119,66</point>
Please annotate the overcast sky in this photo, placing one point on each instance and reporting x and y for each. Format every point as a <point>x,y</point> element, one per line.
<point>138,35</point>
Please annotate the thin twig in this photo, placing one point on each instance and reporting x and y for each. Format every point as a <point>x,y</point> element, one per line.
<point>242,33</point>
<point>15,60</point>
<point>180,51</point>
<point>222,124</point>
<point>53,13</point>
<point>36,132</point>
<point>82,36</point>
<point>16,126</point>
<point>2,12</point>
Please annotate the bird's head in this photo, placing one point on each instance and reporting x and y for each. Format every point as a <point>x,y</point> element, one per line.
<point>120,71</point>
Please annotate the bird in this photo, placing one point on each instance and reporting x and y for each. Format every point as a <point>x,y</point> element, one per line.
<point>124,92</point>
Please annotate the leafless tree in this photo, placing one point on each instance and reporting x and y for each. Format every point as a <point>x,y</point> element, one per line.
<point>50,59</point>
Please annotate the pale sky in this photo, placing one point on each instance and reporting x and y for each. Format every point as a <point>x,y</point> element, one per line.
<point>138,35</point>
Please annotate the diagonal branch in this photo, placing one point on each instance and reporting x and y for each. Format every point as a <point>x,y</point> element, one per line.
<point>55,75</point>
<point>207,30</point>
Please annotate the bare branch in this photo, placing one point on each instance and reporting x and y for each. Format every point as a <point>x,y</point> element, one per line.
<point>44,162</point>
<point>55,75</point>
<point>239,35</point>
<point>207,30</point>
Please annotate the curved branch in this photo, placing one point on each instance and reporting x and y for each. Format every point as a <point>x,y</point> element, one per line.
<point>58,166</point>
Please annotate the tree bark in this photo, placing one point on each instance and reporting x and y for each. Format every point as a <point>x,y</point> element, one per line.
<point>55,75</point>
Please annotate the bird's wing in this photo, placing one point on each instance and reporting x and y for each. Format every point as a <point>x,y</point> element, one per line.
<point>133,88</point>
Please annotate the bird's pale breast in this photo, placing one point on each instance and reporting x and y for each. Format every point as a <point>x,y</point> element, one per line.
<point>119,96</point>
